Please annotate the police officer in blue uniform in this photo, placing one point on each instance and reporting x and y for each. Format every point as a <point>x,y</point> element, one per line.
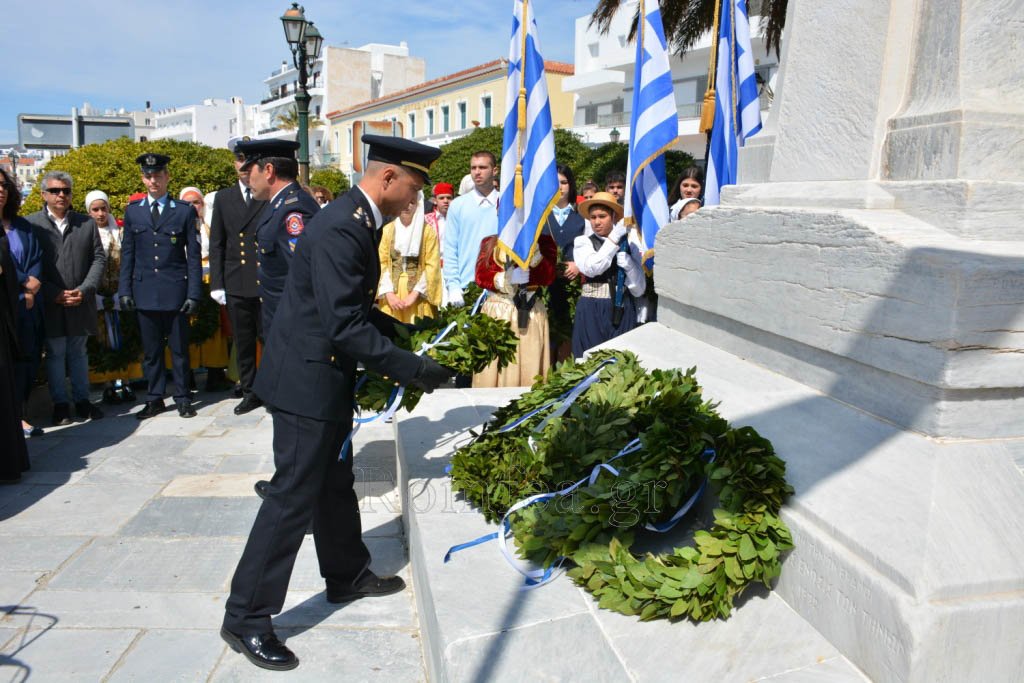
<point>161,272</point>
<point>272,171</point>
<point>325,324</point>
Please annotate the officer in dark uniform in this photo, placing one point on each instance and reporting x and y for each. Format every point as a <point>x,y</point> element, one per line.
<point>161,272</point>
<point>234,279</point>
<point>272,171</point>
<point>326,323</point>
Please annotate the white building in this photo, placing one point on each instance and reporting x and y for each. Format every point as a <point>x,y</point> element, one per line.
<point>341,78</point>
<point>603,82</point>
<point>211,123</point>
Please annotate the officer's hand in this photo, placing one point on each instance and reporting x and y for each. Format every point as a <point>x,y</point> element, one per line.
<point>431,375</point>
<point>623,259</point>
<point>219,296</point>
<point>127,303</point>
<point>190,307</point>
<point>455,297</point>
<point>618,232</point>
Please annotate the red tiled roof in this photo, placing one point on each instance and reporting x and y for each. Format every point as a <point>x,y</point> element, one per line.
<point>494,65</point>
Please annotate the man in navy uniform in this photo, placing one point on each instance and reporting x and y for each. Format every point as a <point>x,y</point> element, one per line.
<point>161,272</point>
<point>272,170</point>
<point>234,280</point>
<point>326,323</point>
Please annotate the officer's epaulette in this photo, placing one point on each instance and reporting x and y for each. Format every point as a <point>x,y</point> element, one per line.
<point>291,200</point>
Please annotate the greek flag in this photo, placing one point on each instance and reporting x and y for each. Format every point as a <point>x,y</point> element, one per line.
<point>737,109</point>
<point>529,182</point>
<point>653,128</point>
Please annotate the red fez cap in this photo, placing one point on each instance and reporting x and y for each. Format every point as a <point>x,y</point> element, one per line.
<point>444,188</point>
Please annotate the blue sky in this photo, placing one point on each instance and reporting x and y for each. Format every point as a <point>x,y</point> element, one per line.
<point>61,53</point>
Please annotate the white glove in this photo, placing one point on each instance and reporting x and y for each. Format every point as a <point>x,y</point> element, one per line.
<point>623,259</point>
<point>618,232</point>
<point>455,297</point>
<point>518,276</point>
<point>219,296</point>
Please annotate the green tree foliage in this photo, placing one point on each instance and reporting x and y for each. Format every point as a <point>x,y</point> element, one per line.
<point>331,178</point>
<point>685,21</point>
<point>585,162</point>
<point>111,167</point>
<point>289,120</point>
<point>614,156</point>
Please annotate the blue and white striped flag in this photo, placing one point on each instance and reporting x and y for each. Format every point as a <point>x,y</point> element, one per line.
<point>737,108</point>
<point>653,128</point>
<point>529,182</point>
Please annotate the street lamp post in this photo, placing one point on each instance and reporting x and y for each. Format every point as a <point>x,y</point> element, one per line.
<point>305,42</point>
<point>14,168</point>
<point>614,135</point>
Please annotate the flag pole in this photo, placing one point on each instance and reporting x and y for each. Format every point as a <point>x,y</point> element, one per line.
<point>707,112</point>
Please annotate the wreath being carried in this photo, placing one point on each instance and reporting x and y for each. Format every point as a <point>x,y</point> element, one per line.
<point>642,446</point>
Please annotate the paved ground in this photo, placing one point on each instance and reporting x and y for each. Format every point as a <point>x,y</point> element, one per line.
<point>118,547</point>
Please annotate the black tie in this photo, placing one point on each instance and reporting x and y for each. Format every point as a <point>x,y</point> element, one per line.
<point>248,196</point>
<point>155,211</point>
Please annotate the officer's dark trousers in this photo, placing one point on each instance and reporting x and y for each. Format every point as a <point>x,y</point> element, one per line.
<point>160,329</point>
<point>246,328</point>
<point>309,481</point>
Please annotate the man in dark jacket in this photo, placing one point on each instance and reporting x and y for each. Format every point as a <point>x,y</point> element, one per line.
<point>326,323</point>
<point>234,280</point>
<point>272,170</point>
<point>161,272</point>
<point>73,261</point>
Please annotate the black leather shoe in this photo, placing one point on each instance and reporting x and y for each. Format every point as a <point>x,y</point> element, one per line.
<point>87,411</point>
<point>61,414</point>
<point>248,404</point>
<point>261,488</point>
<point>186,410</point>
<point>263,650</point>
<point>152,409</point>
<point>368,586</point>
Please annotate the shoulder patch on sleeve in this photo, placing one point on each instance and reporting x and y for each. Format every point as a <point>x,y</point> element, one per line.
<point>294,224</point>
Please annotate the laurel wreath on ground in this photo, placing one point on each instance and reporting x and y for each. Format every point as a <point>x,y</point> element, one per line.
<point>594,528</point>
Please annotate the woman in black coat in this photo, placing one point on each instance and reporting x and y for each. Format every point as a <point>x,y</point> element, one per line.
<point>13,451</point>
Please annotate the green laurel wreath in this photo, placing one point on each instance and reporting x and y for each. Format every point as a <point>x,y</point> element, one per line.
<point>595,527</point>
<point>475,342</point>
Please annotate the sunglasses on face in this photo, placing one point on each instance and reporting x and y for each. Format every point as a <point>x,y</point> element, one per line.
<point>59,190</point>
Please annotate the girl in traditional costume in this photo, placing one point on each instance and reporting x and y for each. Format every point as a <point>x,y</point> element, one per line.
<point>514,298</point>
<point>410,267</point>
<point>610,262</point>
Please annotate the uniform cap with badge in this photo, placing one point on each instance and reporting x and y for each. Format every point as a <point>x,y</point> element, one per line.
<point>152,163</point>
<point>401,152</point>
<point>255,150</point>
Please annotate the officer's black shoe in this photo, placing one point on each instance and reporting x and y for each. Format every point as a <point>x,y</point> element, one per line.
<point>87,411</point>
<point>248,404</point>
<point>61,414</point>
<point>261,487</point>
<point>369,585</point>
<point>185,409</point>
<point>152,409</point>
<point>264,650</point>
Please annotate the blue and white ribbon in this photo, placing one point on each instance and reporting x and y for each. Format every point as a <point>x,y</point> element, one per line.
<point>709,457</point>
<point>538,577</point>
<point>394,401</point>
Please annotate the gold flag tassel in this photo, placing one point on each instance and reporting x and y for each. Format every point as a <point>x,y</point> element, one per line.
<point>521,110</point>
<point>707,112</point>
